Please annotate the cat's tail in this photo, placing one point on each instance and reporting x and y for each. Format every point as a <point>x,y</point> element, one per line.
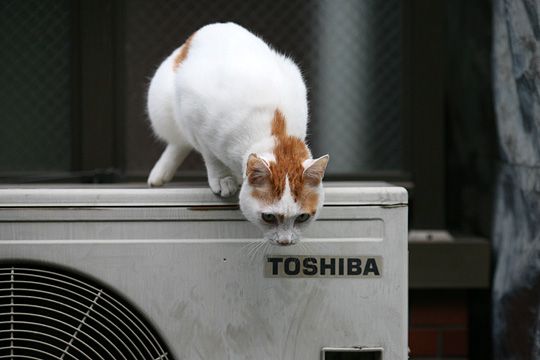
<point>168,163</point>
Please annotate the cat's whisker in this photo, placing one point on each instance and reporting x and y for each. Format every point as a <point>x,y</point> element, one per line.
<point>245,250</point>
<point>253,252</point>
<point>258,250</point>
<point>265,250</point>
<point>268,247</point>
<point>249,249</point>
<point>262,247</point>
<point>307,248</point>
<point>245,247</point>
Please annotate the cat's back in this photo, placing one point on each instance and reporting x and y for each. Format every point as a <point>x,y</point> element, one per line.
<point>227,39</point>
<point>228,67</point>
<point>228,48</point>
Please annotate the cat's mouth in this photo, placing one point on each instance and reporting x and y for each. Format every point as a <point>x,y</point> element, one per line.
<point>284,238</point>
<point>284,243</point>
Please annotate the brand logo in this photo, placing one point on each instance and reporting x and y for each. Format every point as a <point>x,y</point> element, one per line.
<point>323,266</point>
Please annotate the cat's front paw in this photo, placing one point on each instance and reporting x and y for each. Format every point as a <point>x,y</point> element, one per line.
<point>224,187</point>
<point>160,175</point>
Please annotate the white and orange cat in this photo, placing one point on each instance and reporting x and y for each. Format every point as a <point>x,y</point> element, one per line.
<point>243,106</point>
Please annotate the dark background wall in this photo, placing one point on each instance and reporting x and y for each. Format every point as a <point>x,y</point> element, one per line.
<point>455,323</point>
<point>471,139</point>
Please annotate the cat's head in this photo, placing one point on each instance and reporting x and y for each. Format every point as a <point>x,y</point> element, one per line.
<point>282,201</point>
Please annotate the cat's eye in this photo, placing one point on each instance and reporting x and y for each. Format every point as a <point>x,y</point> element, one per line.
<point>302,218</point>
<point>269,218</point>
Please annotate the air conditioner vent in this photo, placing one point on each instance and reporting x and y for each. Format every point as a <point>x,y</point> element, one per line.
<point>49,313</point>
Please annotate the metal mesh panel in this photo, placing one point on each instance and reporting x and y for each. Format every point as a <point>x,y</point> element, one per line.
<point>35,85</point>
<point>349,52</point>
<point>356,82</point>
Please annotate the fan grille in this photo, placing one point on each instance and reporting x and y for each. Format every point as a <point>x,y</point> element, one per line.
<point>48,313</point>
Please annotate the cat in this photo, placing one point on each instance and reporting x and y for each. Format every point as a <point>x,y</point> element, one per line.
<point>243,106</point>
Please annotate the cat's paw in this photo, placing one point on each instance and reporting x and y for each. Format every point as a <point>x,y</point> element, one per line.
<point>224,187</point>
<point>159,176</point>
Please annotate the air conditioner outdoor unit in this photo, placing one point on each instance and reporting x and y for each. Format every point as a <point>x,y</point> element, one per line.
<point>110,272</point>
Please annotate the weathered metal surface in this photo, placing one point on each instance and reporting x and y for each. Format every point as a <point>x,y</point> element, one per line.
<point>338,193</point>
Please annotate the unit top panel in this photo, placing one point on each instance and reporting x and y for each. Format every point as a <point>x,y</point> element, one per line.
<point>180,194</point>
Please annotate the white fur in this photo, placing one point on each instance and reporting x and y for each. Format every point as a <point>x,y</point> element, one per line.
<point>220,101</point>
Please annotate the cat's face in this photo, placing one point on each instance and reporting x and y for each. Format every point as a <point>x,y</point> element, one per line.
<point>282,202</point>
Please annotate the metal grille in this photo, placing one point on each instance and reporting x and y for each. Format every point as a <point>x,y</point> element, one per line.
<point>349,51</point>
<point>47,314</point>
<point>35,87</point>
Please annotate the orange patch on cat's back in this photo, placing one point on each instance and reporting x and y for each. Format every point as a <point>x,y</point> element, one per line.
<point>183,52</point>
<point>290,152</point>
<point>279,126</point>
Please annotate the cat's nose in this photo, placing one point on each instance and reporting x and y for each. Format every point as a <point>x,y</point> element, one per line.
<point>284,242</point>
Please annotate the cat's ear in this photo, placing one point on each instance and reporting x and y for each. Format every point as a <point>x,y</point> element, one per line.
<point>314,170</point>
<point>257,171</point>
